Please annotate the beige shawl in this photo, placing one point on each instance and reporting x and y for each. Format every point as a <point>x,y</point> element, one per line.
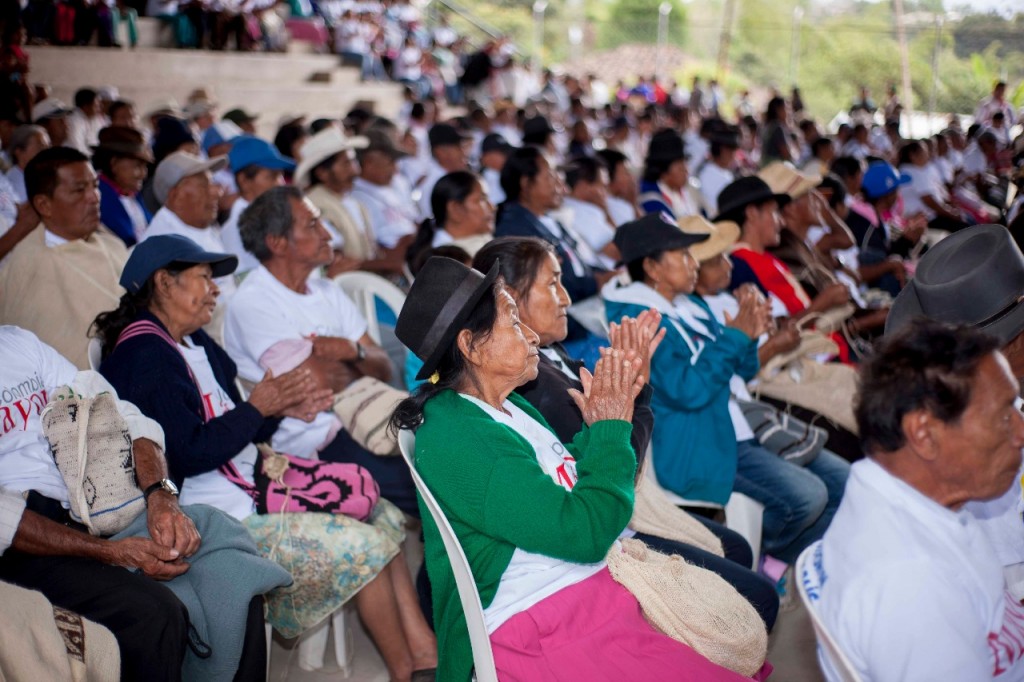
<point>358,244</point>
<point>56,292</point>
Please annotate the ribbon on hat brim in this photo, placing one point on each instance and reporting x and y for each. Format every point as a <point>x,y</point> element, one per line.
<point>448,312</point>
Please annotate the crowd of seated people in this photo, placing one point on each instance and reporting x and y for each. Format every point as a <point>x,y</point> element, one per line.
<point>596,292</point>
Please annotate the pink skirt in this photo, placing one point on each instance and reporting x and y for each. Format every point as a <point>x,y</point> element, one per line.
<point>593,631</point>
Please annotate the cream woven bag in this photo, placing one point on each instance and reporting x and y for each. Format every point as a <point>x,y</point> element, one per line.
<point>654,514</point>
<point>92,447</point>
<point>692,605</point>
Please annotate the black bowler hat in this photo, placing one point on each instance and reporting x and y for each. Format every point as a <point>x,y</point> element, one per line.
<point>442,296</point>
<point>973,277</point>
<point>666,145</point>
<point>654,233</point>
<point>741,193</point>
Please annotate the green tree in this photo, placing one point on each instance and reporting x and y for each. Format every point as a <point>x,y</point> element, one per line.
<point>636,21</point>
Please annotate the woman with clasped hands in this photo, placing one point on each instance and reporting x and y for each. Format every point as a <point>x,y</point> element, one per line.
<point>157,353</point>
<point>535,516</point>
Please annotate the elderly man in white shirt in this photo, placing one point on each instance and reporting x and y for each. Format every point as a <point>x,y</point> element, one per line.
<point>908,583</point>
<point>907,579</point>
<point>183,184</point>
<point>281,319</point>
<point>93,576</point>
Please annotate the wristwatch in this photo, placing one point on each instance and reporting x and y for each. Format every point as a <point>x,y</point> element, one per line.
<point>164,484</point>
<point>360,352</point>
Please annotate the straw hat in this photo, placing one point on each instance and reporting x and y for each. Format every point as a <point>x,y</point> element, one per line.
<point>783,178</point>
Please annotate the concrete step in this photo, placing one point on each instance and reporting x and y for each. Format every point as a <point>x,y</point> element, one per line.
<point>269,84</point>
<point>143,66</point>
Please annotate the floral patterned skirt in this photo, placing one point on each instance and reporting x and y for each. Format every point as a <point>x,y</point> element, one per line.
<point>330,557</point>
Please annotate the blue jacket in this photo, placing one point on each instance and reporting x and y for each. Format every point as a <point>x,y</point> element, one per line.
<point>149,373</point>
<point>517,221</point>
<point>694,442</point>
<point>114,215</point>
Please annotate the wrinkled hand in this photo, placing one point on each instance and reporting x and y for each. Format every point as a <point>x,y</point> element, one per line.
<point>155,561</point>
<point>609,393</point>
<point>640,335</point>
<point>898,269</point>
<point>342,263</point>
<point>754,317</point>
<point>832,296</point>
<point>319,401</point>
<point>914,227</point>
<point>274,395</point>
<point>787,338</point>
<point>169,526</point>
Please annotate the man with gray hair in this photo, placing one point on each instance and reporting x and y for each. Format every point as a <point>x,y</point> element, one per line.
<point>281,318</point>
<point>26,142</point>
<point>905,580</point>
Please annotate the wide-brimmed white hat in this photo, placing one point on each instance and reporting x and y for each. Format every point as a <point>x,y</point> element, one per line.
<point>322,146</point>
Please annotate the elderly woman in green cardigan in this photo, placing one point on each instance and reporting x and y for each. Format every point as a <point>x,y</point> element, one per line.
<point>535,517</point>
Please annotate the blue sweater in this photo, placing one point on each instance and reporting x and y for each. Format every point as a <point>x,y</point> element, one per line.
<point>114,215</point>
<point>152,375</point>
<point>694,441</point>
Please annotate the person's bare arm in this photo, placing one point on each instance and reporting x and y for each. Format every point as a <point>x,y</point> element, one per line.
<point>167,524</point>
<point>38,535</point>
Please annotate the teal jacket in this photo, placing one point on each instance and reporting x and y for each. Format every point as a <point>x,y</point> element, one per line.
<point>694,443</point>
<point>486,479</point>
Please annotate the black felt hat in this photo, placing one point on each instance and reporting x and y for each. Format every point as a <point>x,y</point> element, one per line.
<point>666,145</point>
<point>973,277</point>
<point>442,296</point>
<point>654,233</point>
<point>741,193</point>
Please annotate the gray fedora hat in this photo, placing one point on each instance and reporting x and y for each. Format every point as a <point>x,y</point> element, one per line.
<point>973,277</point>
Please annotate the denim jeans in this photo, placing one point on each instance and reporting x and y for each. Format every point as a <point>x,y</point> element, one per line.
<point>799,502</point>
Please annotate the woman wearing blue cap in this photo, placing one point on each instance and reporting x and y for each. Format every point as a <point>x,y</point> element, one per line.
<point>157,355</point>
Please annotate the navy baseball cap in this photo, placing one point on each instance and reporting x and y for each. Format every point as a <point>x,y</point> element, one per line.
<point>253,151</point>
<point>162,250</point>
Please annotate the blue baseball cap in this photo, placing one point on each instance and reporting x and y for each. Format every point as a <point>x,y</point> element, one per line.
<point>160,251</point>
<point>880,179</point>
<point>253,151</point>
<point>219,133</point>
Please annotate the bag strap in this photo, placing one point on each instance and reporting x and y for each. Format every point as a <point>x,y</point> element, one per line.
<point>144,327</point>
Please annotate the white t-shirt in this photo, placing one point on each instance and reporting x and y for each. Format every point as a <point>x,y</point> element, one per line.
<point>265,312</point>
<point>530,578</point>
<point>393,216</point>
<point>16,178</point>
<point>622,211</point>
<point>974,161</point>
<point>924,181</point>
<point>713,179</point>
<point>213,488</point>
<point>434,173</point>
<point>590,223</point>
<point>492,184</point>
<point>912,590</point>
<point>232,238</point>
<point>30,370</point>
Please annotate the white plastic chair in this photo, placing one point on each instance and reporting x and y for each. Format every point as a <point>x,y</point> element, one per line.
<point>483,658</point>
<point>363,288</point>
<point>314,643</point>
<point>808,582</point>
<point>743,514</point>
<point>94,351</point>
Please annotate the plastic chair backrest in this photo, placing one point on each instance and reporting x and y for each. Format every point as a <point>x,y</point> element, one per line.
<point>808,581</point>
<point>95,350</point>
<point>483,659</point>
<point>364,288</point>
